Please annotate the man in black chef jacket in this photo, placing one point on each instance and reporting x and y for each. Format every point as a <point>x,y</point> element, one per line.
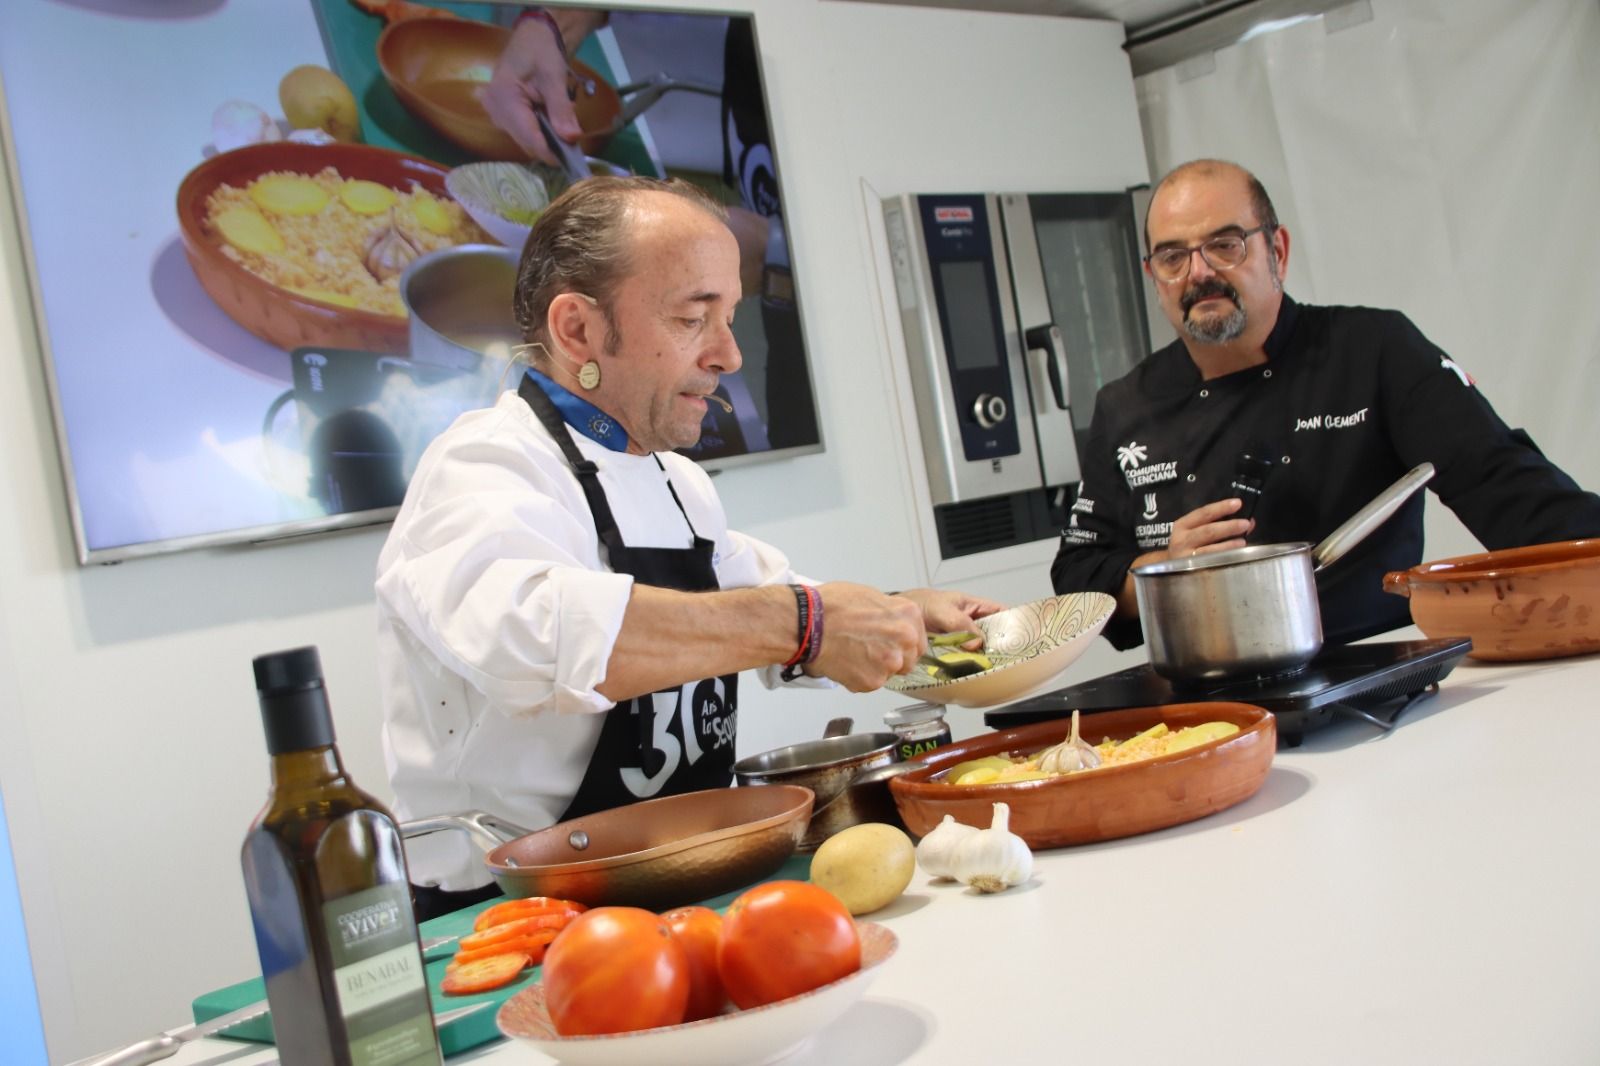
<point>1339,400</point>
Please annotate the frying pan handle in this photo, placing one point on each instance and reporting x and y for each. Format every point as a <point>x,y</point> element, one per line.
<point>837,727</point>
<point>483,827</point>
<point>1398,582</point>
<point>1357,528</point>
<point>651,90</point>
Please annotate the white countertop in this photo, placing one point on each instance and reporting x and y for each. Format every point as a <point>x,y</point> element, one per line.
<point>1426,896</point>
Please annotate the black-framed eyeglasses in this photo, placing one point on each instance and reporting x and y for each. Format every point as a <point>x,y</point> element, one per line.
<point>1220,253</point>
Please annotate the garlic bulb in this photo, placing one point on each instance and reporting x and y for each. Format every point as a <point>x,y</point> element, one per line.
<point>993,859</point>
<point>936,851</point>
<point>389,251</point>
<point>1070,755</point>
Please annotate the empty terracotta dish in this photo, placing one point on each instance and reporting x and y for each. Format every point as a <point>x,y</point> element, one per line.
<point>1538,602</point>
<point>1104,803</point>
<point>438,66</point>
<point>1030,646</point>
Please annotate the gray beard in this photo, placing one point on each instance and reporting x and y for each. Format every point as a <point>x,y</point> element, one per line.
<point>1216,330</point>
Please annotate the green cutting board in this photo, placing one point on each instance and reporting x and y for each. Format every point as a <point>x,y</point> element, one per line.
<point>463,1033</point>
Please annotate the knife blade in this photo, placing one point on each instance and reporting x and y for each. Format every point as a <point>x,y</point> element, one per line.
<point>156,1048</point>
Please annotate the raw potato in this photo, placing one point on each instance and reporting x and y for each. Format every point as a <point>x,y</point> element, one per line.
<point>316,98</point>
<point>866,866</point>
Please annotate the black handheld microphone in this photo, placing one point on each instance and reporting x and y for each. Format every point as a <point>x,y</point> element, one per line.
<point>1250,477</point>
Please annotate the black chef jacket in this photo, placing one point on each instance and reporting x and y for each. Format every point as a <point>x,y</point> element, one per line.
<point>1349,399</point>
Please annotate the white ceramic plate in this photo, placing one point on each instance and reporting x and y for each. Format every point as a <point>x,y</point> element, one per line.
<point>1030,646</point>
<point>503,198</point>
<point>742,1038</point>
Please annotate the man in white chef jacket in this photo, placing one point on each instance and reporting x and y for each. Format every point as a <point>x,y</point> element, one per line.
<point>563,611</point>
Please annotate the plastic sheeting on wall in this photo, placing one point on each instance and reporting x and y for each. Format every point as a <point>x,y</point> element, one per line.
<point>1442,158</point>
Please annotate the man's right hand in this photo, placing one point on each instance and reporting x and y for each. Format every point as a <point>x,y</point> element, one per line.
<point>1208,529</point>
<point>867,637</point>
<point>532,73</point>
<point>1204,529</point>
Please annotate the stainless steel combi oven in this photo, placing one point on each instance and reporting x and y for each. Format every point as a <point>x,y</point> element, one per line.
<point>1016,309</point>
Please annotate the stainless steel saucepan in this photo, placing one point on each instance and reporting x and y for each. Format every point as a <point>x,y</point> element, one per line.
<point>1253,610</point>
<point>848,772</point>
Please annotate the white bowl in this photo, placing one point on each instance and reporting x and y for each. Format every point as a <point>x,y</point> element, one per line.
<point>741,1038</point>
<point>504,198</point>
<point>1030,646</point>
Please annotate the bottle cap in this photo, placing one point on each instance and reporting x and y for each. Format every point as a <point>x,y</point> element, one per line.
<point>295,668</point>
<point>294,704</point>
<point>912,714</point>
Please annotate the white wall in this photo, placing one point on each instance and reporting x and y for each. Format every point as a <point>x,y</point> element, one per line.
<point>132,759</point>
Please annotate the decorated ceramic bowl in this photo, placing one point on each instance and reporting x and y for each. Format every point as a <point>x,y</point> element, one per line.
<point>1030,647</point>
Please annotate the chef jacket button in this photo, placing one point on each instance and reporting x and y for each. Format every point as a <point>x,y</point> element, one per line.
<point>1204,393</point>
<point>1266,373</point>
<point>1286,458</point>
<point>1189,478</point>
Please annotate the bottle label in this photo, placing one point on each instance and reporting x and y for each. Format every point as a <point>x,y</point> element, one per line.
<point>910,749</point>
<point>378,971</point>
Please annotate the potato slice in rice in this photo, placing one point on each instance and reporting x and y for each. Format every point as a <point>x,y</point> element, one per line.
<point>366,197</point>
<point>248,231</point>
<point>288,194</point>
<point>430,213</point>
<point>327,296</point>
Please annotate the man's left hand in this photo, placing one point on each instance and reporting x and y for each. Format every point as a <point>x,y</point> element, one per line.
<point>951,612</point>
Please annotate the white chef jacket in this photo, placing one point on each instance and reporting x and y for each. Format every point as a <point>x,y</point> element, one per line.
<point>497,617</point>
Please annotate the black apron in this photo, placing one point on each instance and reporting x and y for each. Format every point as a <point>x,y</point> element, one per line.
<point>668,742</point>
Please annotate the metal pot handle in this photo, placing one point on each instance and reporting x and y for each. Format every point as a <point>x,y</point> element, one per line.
<point>483,827</point>
<point>1356,529</point>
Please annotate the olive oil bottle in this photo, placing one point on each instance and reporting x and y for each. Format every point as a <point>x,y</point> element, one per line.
<point>329,896</point>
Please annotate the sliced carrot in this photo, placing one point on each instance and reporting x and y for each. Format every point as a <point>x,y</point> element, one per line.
<point>532,945</point>
<point>524,908</point>
<point>484,974</point>
<point>517,927</point>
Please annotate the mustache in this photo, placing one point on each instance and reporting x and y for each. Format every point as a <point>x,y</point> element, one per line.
<point>1206,289</point>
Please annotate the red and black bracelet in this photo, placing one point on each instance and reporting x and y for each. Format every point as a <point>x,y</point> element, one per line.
<point>804,598</point>
<point>539,14</point>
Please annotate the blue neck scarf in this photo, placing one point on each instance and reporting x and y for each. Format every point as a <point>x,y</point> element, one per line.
<point>582,415</point>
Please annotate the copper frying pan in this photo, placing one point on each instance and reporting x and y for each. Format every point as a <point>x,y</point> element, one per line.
<point>656,854</point>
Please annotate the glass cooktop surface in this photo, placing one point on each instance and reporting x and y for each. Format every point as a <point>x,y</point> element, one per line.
<point>1342,677</point>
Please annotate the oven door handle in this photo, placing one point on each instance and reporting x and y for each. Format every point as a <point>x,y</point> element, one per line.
<point>1046,340</point>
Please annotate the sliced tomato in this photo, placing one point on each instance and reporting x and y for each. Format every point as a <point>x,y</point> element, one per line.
<point>533,945</point>
<point>482,975</point>
<point>523,908</point>
<point>516,927</point>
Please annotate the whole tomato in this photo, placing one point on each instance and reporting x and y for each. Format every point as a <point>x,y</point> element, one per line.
<point>699,930</point>
<point>784,938</point>
<point>615,970</point>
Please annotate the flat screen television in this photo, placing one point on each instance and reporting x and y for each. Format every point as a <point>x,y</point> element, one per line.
<point>241,379</point>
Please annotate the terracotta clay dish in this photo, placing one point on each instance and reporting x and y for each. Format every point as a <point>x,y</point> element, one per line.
<point>438,66</point>
<point>276,314</point>
<point>1104,803</point>
<point>1538,602</point>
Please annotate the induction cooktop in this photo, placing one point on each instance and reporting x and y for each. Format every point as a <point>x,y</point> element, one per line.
<point>1375,682</point>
